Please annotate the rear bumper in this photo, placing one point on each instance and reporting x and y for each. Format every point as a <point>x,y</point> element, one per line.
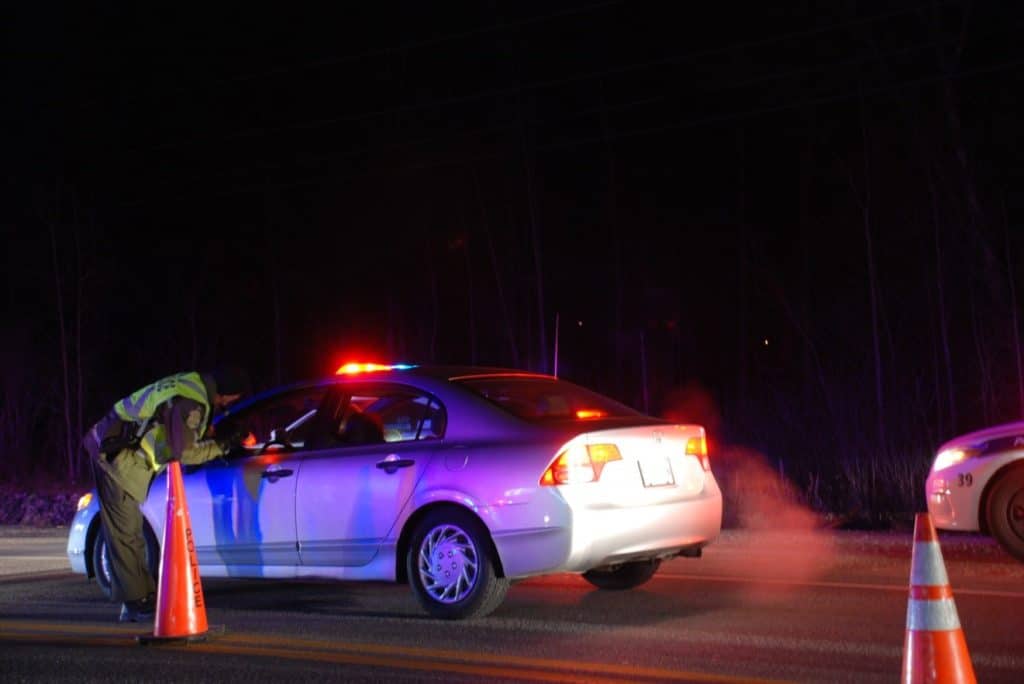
<point>611,535</point>
<point>555,534</point>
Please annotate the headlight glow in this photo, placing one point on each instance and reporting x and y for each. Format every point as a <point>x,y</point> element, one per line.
<point>950,457</point>
<point>84,501</point>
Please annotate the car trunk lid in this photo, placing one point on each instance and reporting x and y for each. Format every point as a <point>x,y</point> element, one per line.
<point>633,466</point>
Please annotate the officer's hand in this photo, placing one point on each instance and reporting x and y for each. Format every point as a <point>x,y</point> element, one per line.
<point>164,456</point>
<point>233,442</point>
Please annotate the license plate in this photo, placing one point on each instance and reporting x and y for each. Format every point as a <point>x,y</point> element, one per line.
<point>656,472</point>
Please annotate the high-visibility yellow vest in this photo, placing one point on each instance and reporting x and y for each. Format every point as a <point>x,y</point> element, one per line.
<point>140,407</point>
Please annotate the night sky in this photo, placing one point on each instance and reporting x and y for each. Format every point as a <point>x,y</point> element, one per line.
<point>805,214</point>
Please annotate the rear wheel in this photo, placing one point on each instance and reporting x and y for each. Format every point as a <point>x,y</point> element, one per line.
<point>102,572</point>
<point>625,576</point>
<point>451,567</point>
<point>1005,512</point>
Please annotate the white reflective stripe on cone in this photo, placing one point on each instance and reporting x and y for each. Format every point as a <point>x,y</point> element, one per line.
<point>927,568</point>
<point>937,615</point>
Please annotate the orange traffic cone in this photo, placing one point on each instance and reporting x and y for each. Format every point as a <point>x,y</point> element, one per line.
<point>934,649</point>
<point>180,608</point>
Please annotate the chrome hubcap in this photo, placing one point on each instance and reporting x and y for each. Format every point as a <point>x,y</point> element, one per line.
<point>448,564</point>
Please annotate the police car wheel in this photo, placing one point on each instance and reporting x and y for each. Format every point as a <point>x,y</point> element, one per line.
<point>1005,512</point>
<point>101,564</point>
<point>451,567</point>
<point>102,572</point>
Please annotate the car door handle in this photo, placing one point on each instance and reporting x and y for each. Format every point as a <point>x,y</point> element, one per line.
<point>390,465</point>
<point>275,475</point>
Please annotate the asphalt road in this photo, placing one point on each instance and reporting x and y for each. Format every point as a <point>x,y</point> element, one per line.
<point>807,607</point>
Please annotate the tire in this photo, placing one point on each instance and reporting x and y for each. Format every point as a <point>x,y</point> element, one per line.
<point>1005,512</point>
<point>451,567</point>
<point>625,576</point>
<point>101,561</point>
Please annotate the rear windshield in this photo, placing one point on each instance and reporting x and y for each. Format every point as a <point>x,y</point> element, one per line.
<point>540,399</point>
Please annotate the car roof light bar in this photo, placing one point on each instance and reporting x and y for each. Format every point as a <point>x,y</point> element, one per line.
<point>353,368</point>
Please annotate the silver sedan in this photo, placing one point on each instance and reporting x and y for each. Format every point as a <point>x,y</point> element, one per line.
<point>456,480</point>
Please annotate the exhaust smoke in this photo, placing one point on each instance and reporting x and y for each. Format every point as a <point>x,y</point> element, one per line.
<point>769,533</point>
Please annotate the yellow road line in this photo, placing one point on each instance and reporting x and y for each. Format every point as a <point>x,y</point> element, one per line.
<point>738,579</point>
<point>340,658</point>
<point>63,640</point>
<point>379,655</point>
<point>36,576</point>
<point>403,662</point>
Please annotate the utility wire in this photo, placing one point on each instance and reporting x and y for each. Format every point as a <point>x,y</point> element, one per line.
<point>720,86</point>
<point>549,83</point>
<point>635,133</point>
<point>811,102</point>
<point>393,49</point>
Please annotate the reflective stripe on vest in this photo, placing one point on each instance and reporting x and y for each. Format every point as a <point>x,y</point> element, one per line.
<point>141,406</point>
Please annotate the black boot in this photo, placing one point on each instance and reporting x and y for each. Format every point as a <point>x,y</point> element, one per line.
<point>142,610</point>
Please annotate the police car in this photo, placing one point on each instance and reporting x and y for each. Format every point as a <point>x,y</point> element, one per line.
<point>976,484</point>
<point>455,480</point>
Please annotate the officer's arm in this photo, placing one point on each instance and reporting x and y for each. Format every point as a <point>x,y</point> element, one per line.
<point>186,417</point>
<point>201,452</point>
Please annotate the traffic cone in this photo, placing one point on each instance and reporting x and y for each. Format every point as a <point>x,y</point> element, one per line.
<point>934,649</point>
<point>180,607</point>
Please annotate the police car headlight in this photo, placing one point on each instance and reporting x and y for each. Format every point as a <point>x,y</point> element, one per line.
<point>84,501</point>
<point>950,457</point>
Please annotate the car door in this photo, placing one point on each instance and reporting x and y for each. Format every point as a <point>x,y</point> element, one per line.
<point>351,491</point>
<point>242,508</point>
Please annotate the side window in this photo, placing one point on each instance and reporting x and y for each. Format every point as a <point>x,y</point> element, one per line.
<point>387,414</point>
<point>289,414</point>
<point>410,417</point>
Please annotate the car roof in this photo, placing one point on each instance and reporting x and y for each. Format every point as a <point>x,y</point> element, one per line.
<point>442,372</point>
<point>436,372</point>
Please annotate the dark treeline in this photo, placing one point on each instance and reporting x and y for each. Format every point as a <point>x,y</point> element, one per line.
<point>814,250</point>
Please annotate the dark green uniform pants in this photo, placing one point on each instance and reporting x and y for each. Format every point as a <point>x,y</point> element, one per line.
<point>126,545</point>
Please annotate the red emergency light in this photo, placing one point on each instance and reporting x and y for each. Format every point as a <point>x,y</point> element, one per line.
<point>354,367</point>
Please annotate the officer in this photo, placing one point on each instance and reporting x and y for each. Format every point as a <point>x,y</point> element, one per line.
<point>162,422</point>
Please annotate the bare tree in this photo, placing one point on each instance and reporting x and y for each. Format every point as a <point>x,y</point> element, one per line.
<point>273,272</point>
<point>495,267</point>
<point>79,428</point>
<point>534,222</point>
<point>864,200</point>
<point>17,417</point>
<point>618,245</point>
<point>742,278</point>
<point>53,220</point>
<point>947,355</point>
<point>1011,279</point>
<point>435,304</point>
<point>464,246</point>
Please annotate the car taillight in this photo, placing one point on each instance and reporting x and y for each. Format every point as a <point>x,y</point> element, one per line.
<point>580,463</point>
<point>85,500</point>
<point>698,446</point>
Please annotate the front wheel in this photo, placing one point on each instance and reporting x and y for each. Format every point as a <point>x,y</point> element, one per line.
<point>450,566</point>
<point>1005,512</point>
<point>102,572</point>
<point>625,576</point>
